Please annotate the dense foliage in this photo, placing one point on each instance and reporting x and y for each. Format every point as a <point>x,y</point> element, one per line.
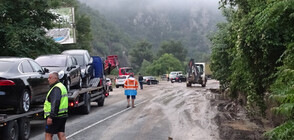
<point>141,51</point>
<point>253,51</point>
<point>173,47</point>
<point>22,28</point>
<point>165,64</point>
<point>107,39</point>
<point>158,20</point>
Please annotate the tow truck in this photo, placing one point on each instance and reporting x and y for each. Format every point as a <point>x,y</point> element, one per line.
<point>17,126</point>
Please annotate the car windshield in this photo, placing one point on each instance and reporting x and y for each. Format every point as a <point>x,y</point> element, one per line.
<point>173,73</point>
<point>52,61</point>
<point>7,65</point>
<point>123,77</point>
<point>80,59</point>
<point>129,70</point>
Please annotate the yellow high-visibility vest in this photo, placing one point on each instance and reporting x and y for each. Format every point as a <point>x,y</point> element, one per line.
<point>63,107</point>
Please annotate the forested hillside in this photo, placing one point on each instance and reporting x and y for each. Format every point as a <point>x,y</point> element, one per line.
<point>156,21</point>
<point>107,39</point>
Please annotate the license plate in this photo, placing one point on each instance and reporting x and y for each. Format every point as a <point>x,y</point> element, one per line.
<point>2,93</point>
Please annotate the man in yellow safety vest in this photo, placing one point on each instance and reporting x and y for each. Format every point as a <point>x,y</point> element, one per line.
<point>55,108</point>
<point>131,86</point>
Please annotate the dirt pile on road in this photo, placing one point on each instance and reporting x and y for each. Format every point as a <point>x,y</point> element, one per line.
<point>233,122</point>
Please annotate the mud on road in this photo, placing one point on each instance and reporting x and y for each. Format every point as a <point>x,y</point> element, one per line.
<point>171,110</point>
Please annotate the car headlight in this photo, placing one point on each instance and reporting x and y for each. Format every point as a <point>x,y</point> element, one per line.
<point>61,74</point>
<point>83,71</point>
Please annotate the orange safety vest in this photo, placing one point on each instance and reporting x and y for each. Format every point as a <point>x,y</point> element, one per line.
<point>131,84</point>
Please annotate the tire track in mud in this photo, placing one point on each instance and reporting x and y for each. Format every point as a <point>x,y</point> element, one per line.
<point>188,111</point>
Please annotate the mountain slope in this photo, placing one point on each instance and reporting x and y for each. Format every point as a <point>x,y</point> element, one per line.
<point>189,21</point>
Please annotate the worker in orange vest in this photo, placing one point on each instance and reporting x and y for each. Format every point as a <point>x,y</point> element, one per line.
<point>131,86</point>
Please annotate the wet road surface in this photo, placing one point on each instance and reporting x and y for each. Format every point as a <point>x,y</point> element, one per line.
<point>162,111</point>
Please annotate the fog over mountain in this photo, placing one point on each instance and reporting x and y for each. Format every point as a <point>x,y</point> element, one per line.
<point>188,21</point>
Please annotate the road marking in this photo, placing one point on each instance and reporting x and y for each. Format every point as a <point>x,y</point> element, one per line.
<point>102,120</point>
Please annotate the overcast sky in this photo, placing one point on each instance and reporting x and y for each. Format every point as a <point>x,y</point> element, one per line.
<point>152,4</point>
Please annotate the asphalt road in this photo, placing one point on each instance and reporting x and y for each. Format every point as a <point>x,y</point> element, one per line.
<point>162,111</point>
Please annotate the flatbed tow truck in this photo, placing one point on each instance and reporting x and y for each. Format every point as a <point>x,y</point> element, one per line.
<point>17,126</point>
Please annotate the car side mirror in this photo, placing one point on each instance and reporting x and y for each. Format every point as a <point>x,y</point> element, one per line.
<point>46,70</point>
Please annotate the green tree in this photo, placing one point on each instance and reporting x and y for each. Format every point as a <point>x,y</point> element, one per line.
<point>261,40</point>
<point>143,67</point>
<point>173,47</point>
<point>22,28</point>
<point>141,51</point>
<point>165,64</point>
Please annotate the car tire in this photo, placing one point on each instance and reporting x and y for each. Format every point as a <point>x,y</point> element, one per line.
<point>25,102</point>
<point>149,82</point>
<point>86,81</point>
<point>117,86</point>
<point>80,84</point>
<point>110,88</point>
<point>11,130</point>
<point>67,84</point>
<point>24,128</point>
<point>100,102</point>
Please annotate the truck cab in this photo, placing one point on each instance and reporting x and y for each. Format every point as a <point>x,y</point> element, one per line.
<point>125,71</point>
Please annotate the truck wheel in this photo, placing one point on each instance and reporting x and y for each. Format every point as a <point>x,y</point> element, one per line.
<point>101,101</point>
<point>25,102</point>
<point>11,130</point>
<point>203,85</point>
<point>188,84</point>
<point>86,108</point>
<point>24,128</point>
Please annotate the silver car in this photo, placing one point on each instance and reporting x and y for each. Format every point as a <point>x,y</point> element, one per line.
<point>120,81</point>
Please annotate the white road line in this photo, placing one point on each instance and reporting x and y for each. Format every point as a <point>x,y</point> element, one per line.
<point>101,121</point>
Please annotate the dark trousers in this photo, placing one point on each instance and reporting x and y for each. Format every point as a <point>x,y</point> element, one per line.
<point>141,84</point>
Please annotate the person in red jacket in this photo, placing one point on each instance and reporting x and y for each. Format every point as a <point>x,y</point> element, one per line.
<point>131,86</point>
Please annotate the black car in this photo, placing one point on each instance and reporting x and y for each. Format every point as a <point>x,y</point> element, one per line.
<point>179,78</point>
<point>66,66</point>
<point>85,62</point>
<point>23,82</point>
<point>149,80</point>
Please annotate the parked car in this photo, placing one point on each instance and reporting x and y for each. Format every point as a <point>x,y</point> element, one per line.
<point>109,84</point>
<point>180,78</point>
<point>23,82</point>
<point>67,67</point>
<point>85,61</point>
<point>177,76</point>
<point>120,81</point>
<point>149,80</point>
